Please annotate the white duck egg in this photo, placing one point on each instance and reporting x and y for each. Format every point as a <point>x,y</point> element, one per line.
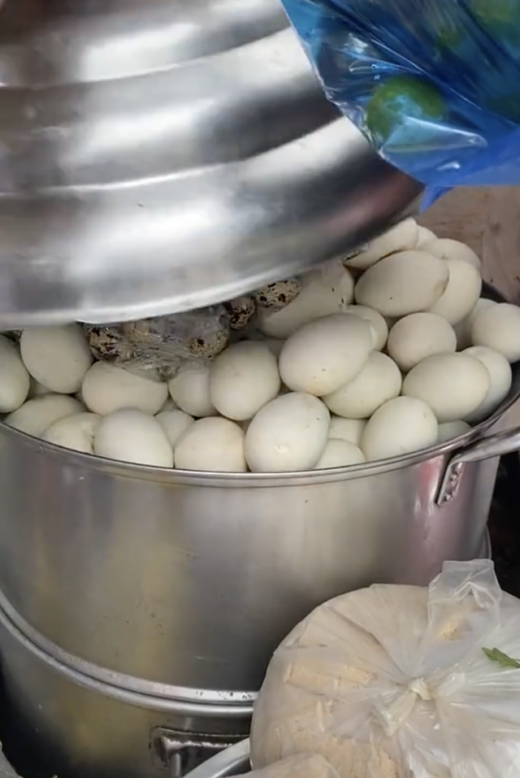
<point>189,389</point>
<point>324,291</point>
<point>403,425</point>
<point>288,434</point>
<point>463,328</point>
<point>36,415</point>
<point>169,405</point>
<point>107,388</point>
<point>131,435</point>
<point>453,385</point>
<point>339,453</point>
<point>446,248</point>
<point>425,236</point>
<point>501,380</point>
<point>498,327</point>
<point>452,429</point>
<point>399,238</point>
<point>403,283</point>
<point>39,390</point>
<point>74,432</point>
<point>418,336</point>
<point>14,378</point>
<point>325,354</point>
<point>376,321</point>
<point>243,379</point>
<point>174,423</point>
<point>57,357</point>
<point>350,430</point>
<point>379,381</point>
<point>213,444</point>
<point>461,295</point>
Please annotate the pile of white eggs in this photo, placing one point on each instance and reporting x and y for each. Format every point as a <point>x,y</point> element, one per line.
<point>383,354</point>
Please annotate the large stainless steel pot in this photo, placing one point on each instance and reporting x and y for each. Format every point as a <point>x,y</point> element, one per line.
<point>159,156</point>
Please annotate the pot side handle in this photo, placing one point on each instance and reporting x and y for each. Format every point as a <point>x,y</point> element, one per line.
<point>485,448</point>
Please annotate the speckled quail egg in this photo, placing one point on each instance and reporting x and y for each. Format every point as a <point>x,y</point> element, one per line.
<point>501,380</point>
<point>243,379</point>
<point>403,283</point>
<point>14,377</point>
<point>402,425</point>
<point>107,388</point>
<point>278,294</point>
<point>379,381</point>
<point>324,291</point>
<point>57,357</point>
<point>240,312</point>
<point>399,238</point>
<point>498,327</point>
<point>418,336</point>
<point>189,389</point>
<point>288,434</point>
<point>452,385</point>
<point>212,444</point>
<point>461,294</point>
<point>325,354</point>
<point>129,435</point>
<point>339,453</point>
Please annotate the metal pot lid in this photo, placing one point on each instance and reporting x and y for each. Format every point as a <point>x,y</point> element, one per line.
<point>163,156</point>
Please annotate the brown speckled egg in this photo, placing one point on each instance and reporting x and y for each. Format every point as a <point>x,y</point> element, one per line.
<point>278,294</point>
<point>209,345</point>
<point>240,312</point>
<point>107,343</point>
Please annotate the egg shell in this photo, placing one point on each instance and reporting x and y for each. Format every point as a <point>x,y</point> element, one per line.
<point>461,295</point>
<point>75,432</point>
<point>401,426</point>
<point>399,238</point>
<point>339,453</point>
<point>288,434</point>
<point>325,354</point>
<point>376,321</point>
<point>107,388</point>
<point>452,429</point>
<point>501,380</point>
<point>39,390</point>
<point>14,377</point>
<point>447,248</point>
<point>212,444</point>
<point>36,415</point>
<point>131,435</point>
<point>278,294</point>
<point>403,283</point>
<point>323,291</point>
<point>189,389</point>
<point>243,379</point>
<point>463,328</point>
<point>174,423</point>
<point>350,430</point>
<point>57,357</point>
<point>498,327</point>
<point>453,385</point>
<point>425,236</point>
<point>379,381</point>
<point>418,336</point>
<point>169,405</point>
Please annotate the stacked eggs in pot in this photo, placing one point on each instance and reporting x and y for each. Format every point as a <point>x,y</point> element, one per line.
<point>388,352</point>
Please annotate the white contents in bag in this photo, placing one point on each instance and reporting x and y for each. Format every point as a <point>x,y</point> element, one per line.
<point>400,682</point>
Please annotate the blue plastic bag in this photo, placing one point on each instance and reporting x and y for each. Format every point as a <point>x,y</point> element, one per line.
<point>434,84</point>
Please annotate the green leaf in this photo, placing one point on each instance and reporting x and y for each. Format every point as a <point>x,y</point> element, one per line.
<point>498,656</point>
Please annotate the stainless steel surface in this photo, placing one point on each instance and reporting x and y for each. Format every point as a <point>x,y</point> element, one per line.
<point>161,156</point>
<point>232,761</point>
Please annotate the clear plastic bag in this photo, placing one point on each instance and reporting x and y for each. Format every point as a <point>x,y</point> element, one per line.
<point>298,766</point>
<point>401,682</point>
<point>434,84</point>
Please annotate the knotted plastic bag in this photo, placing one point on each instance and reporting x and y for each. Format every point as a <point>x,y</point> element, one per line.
<point>401,682</point>
<point>434,84</point>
